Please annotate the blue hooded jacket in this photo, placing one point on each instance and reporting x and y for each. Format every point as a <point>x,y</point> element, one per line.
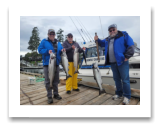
<point>44,48</point>
<point>123,47</point>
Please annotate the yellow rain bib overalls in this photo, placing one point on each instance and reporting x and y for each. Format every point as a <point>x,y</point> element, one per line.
<point>71,82</point>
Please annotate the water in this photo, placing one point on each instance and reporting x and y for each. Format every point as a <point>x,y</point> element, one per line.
<point>40,71</point>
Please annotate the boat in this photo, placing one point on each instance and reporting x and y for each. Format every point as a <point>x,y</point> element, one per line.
<point>86,72</point>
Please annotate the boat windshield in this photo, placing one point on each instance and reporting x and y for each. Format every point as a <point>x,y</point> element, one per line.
<point>92,52</point>
<point>136,49</point>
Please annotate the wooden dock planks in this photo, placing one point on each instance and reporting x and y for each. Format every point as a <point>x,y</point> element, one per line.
<point>133,101</point>
<point>112,102</point>
<point>85,99</point>
<point>65,96</point>
<point>70,99</point>
<point>37,95</point>
<point>98,100</point>
<point>109,88</point>
<point>138,103</point>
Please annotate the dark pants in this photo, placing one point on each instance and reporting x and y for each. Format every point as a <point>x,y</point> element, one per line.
<point>121,78</point>
<point>55,82</point>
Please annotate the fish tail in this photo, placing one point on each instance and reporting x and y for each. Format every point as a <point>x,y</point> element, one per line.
<point>76,72</point>
<point>68,76</point>
<point>102,91</point>
<point>51,86</point>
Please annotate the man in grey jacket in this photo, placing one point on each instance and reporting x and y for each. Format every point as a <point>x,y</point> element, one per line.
<point>70,45</point>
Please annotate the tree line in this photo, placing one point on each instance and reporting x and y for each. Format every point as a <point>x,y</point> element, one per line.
<point>34,42</point>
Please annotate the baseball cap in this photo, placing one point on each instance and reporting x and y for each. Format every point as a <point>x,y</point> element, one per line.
<point>51,30</point>
<point>69,34</point>
<point>112,26</point>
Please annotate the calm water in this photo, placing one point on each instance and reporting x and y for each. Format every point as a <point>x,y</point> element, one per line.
<point>40,71</point>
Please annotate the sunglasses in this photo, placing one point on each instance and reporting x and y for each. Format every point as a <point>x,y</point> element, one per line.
<point>52,34</point>
<point>112,30</point>
<point>70,37</point>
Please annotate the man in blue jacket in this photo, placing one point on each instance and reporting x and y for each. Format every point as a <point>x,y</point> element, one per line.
<point>119,47</point>
<point>47,46</point>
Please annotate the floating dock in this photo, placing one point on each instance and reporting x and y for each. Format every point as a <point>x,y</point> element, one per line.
<point>36,94</point>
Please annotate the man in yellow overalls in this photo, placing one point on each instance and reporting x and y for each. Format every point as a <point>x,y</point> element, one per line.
<point>70,45</point>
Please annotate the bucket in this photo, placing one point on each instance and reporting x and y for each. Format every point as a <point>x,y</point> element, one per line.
<point>32,80</point>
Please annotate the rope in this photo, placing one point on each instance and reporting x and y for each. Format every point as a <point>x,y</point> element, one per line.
<point>77,28</point>
<point>85,29</point>
<point>38,79</point>
<point>82,28</point>
<point>101,27</point>
<point>27,96</point>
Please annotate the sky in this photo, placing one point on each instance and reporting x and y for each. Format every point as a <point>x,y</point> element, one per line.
<point>99,24</point>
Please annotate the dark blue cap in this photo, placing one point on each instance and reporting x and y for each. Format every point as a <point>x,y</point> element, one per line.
<point>69,34</point>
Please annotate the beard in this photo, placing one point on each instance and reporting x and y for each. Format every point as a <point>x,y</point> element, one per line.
<point>113,35</point>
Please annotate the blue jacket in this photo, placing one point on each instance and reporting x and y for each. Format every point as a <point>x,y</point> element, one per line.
<point>44,48</point>
<point>123,47</point>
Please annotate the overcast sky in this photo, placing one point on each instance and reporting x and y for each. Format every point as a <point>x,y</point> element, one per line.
<point>130,24</point>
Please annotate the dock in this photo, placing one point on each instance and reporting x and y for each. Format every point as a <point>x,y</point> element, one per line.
<point>36,94</point>
<point>32,74</point>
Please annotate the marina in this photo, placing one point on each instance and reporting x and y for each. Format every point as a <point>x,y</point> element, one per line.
<point>35,94</point>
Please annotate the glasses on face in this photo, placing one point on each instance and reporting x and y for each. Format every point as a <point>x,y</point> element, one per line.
<point>70,37</point>
<point>52,34</point>
<point>112,30</point>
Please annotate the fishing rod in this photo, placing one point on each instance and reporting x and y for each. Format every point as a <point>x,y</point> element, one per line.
<point>82,28</point>
<point>97,49</point>
<point>86,30</point>
<point>77,29</point>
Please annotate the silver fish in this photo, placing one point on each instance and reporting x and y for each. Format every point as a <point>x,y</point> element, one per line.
<point>52,68</point>
<point>97,77</point>
<point>65,64</point>
<point>76,59</point>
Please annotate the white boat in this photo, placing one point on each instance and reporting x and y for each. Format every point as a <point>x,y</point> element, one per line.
<point>86,72</point>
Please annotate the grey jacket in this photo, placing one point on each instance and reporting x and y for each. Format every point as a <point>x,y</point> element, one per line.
<point>69,49</point>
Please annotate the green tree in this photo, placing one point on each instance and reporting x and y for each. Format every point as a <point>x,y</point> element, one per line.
<point>60,36</point>
<point>20,57</point>
<point>34,40</point>
<point>26,58</point>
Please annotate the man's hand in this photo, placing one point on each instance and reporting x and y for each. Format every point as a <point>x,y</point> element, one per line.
<point>96,38</point>
<point>84,48</point>
<point>126,59</point>
<point>50,51</point>
<point>73,47</point>
<point>63,49</point>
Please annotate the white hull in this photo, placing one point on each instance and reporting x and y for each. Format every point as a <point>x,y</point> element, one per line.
<point>87,75</point>
<point>86,72</point>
